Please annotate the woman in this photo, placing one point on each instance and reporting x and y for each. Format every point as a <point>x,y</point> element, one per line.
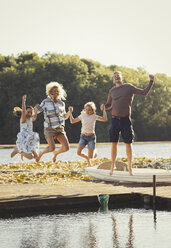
<point>54,119</point>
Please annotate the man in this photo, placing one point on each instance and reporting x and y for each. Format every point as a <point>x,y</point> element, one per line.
<point>120,100</point>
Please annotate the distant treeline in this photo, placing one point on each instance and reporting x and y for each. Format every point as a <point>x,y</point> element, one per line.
<point>84,80</point>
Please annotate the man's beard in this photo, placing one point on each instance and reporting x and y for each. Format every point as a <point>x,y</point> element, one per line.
<point>119,81</point>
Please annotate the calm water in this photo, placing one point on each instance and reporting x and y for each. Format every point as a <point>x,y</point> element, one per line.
<point>151,150</point>
<point>128,228</point>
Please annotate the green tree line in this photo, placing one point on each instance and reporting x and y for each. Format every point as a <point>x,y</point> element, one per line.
<point>84,80</point>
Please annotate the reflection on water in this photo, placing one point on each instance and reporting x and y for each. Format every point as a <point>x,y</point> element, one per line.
<point>149,150</point>
<point>130,242</point>
<point>128,228</point>
<point>115,233</point>
<point>131,236</point>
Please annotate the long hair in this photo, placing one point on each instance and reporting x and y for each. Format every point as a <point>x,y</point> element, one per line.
<point>51,85</point>
<point>91,105</point>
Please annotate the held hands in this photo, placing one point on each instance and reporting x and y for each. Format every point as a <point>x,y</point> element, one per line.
<point>102,107</point>
<point>151,77</point>
<point>70,109</point>
<point>36,107</point>
<point>69,113</point>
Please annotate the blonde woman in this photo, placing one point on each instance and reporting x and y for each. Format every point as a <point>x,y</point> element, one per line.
<point>88,119</point>
<point>53,108</point>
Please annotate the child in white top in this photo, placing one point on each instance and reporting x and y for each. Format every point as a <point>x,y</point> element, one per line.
<point>88,119</point>
<point>27,142</point>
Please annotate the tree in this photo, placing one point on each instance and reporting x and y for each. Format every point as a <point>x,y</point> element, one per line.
<point>84,80</point>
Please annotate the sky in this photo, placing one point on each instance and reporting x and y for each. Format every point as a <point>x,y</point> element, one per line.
<point>131,33</point>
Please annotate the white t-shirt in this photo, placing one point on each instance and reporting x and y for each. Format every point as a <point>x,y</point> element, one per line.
<point>88,122</point>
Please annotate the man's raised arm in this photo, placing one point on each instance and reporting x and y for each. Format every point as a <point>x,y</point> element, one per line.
<point>144,92</point>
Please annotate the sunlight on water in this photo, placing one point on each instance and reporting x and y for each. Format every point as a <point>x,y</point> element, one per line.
<point>150,150</point>
<point>128,228</point>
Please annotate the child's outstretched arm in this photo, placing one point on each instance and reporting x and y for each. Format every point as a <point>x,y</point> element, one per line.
<point>68,114</point>
<point>36,107</point>
<point>104,117</point>
<point>23,115</point>
<point>72,119</point>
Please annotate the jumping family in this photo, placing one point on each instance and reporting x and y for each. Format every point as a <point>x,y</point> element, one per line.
<point>119,99</point>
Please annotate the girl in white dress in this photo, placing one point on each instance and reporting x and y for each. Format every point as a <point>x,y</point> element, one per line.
<point>27,141</point>
<point>88,119</point>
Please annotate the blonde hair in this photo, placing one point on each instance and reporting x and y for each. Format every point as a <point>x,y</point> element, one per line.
<point>17,111</point>
<point>91,105</point>
<point>51,85</point>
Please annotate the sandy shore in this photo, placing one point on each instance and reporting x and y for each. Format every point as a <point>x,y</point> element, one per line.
<point>74,189</point>
<point>63,179</point>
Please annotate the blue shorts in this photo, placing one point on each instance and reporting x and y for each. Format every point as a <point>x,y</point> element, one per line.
<point>88,140</point>
<point>123,126</point>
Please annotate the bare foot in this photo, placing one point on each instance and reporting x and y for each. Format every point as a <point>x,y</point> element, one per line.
<point>130,173</point>
<point>89,163</point>
<point>95,155</point>
<point>35,155</point>
<point>54,157</point>
<point>111,173</point>
<point>14,152</point>
<point>38,157</point>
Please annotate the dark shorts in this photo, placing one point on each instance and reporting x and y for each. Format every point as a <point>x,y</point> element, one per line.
<point>88,140</point>
<point>123,126</point>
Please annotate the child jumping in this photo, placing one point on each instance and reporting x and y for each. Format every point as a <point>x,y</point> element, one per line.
<point>88,119</point>
<point>27,141</point>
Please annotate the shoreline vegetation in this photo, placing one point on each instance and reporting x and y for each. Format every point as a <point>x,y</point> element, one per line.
<point>6,146</point>
<point>84,80</point>
<point>60,172</point>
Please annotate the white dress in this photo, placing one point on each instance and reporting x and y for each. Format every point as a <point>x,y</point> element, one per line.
<point>27,140</point>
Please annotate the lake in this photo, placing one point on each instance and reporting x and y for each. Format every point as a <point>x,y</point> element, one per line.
<point>122,228</point>
<point>145,149</point>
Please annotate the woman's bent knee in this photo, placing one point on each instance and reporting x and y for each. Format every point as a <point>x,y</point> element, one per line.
<point>51,148</point>
<point>66,148</point>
